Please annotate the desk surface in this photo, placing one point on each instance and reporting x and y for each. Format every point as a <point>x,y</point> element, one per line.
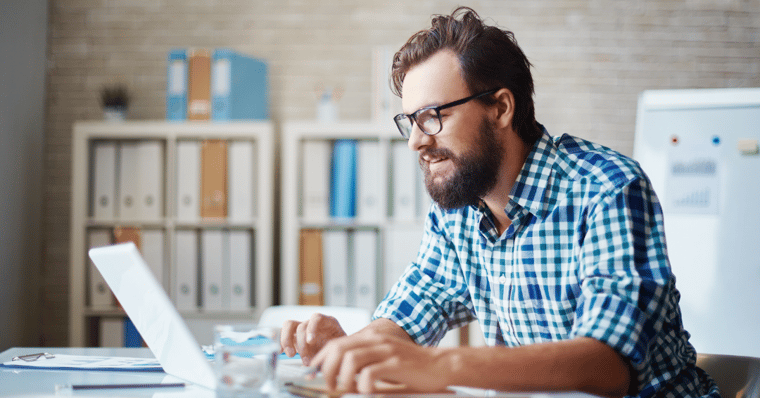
<point>41,383</point>
<point>35,382</point>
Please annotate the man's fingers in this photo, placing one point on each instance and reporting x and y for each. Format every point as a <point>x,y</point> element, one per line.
<point>350,343</point>
<point>287,337</point>
<point>342,359</point>
<point>372,378</point>
<point>354,361</point>
<point>316,321</point>
<point>301,344</point>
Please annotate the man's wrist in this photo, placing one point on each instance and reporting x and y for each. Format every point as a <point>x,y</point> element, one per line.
<point>453,364</point>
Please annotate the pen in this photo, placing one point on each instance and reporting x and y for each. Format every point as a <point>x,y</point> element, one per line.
<point>115,386</point>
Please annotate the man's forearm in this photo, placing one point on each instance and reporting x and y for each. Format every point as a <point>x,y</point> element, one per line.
<point>582,364</point>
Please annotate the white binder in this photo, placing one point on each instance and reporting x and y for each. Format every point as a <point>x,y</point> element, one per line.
<point>212,269</point>
<point>188,180</point>
<point>104,180</point>
<point>100,294</point>
<point>111,333</point>
<point>370,199</point>
<point>335,255</point>
<point>151,180</point>
<point>404,181</point>
<point>240,270</point>
<point>317,156</point>
<point>152,248</point>
<point>402,243</point>
<point>365,269</point>
<point>186,285</point>
<point>129,181</point>
<point>240,186</point>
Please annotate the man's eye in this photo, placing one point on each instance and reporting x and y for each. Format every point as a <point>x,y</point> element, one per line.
<point>430,122</point>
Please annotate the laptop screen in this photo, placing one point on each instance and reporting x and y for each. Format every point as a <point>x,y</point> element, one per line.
<point>148,306</point>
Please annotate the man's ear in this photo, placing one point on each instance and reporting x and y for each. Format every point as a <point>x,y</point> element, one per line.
<point>505,107</point>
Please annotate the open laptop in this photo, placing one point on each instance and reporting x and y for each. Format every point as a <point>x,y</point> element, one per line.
<point>152,313</point>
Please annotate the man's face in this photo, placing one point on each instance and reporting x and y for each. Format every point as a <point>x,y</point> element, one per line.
<point>461,162</point>
<point>474,174</point>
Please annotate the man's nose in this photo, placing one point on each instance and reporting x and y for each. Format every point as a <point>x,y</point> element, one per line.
<point>418,139</point>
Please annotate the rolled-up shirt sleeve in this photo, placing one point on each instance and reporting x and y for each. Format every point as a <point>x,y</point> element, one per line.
<point>625,278</point>
<point>431,296</point>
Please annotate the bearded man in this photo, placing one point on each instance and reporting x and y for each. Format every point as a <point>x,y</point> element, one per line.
<point>555,245</point>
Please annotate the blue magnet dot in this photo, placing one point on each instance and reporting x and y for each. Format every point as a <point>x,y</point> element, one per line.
<point>716,140</point>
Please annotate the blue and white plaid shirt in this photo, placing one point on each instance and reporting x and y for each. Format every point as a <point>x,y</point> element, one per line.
<point>584,256</point>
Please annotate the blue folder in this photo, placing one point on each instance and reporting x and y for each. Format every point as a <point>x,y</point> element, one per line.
<point>132,337</point>
<point>176,85</point>
<point>239,88</point>
<point>343,184</point>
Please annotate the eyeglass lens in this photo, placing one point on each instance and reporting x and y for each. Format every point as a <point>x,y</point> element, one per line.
<point>426,119</point>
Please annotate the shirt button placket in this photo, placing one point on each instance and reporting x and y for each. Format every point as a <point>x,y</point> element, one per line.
<point>506,282</point>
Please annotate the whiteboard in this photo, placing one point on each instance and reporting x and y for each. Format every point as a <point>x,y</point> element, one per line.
<point>700,150</point>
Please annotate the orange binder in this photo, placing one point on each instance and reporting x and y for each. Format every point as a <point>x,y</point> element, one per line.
<point>124,235</point>
<point>199,86</point>
<point>310,268</point>
<point>127,234</point>
<point>214,179</point>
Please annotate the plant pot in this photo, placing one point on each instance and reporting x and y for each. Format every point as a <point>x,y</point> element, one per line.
<point>114,114</point>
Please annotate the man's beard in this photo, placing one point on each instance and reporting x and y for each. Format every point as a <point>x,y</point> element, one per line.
<point>475,173</point>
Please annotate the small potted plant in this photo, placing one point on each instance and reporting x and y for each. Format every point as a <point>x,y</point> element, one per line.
<point>115,100</point>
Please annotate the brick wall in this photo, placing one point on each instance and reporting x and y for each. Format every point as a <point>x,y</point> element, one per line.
<point>591,60</point>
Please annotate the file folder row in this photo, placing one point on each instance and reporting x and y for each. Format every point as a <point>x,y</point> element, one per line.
<point>215,179</point>
<point>213,267</point>
<point>339,268</point>
<point>214,270</point>
<point>345,267</point>
<point>343,180</point>
<point>128,180</point>
<point>216,85</point>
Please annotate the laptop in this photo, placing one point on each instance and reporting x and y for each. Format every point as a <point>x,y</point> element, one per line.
<point>153,314</point>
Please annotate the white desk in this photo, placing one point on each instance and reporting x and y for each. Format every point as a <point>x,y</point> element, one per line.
<point>35,382</point>
<point>40,383</point>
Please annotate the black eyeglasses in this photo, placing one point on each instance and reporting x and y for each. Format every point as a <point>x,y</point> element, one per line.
<point>428,119</point>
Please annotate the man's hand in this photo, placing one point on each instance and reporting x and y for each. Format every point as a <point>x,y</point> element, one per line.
<point>308,337</point>
<point>375,356</point>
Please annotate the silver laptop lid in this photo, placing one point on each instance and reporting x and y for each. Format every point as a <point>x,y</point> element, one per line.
<point>152,313</point>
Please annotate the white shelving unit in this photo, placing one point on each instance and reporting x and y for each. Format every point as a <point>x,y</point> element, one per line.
<point>294,135</point>
<point>82,314</point>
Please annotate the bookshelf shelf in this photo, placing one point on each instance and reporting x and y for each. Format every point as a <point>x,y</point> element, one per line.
<point>165,226</point>
<point>294,158</point>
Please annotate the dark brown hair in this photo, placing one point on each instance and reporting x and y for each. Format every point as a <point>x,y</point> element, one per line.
<point>489,57</point>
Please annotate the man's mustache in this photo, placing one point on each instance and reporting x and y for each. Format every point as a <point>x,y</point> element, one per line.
<point>436,153</point>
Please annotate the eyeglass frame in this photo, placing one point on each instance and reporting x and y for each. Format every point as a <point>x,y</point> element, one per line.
<point>413,116</point>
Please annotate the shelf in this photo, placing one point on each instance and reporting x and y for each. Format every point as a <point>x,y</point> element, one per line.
<point>164,231</point>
